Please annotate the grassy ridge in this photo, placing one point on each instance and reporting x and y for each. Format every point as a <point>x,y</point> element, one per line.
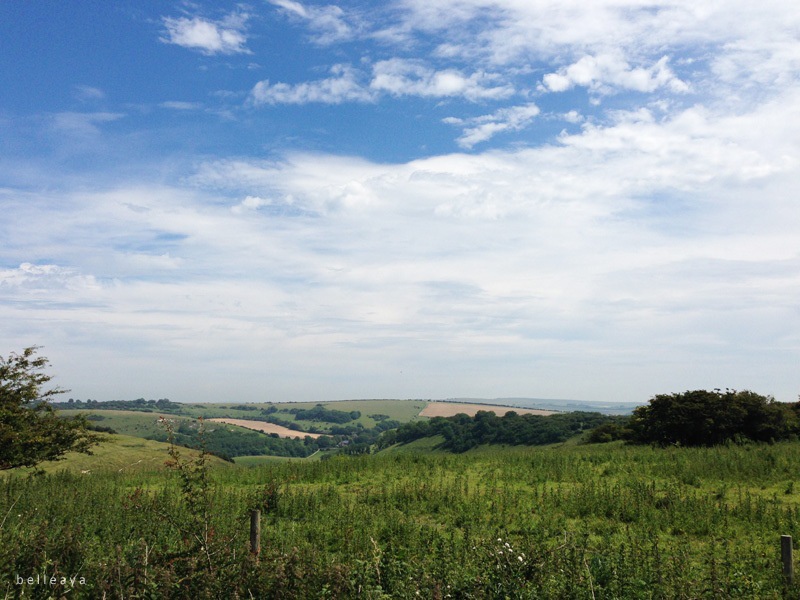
<point>117,453</point>
<point>572,521</point>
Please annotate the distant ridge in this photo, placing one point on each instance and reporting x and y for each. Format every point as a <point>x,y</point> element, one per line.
<point>609,408</point>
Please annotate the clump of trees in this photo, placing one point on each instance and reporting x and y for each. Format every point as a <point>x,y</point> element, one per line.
<point>707,418</point>
<point>462,432</point>
<point>140,404</point>
<point>30,430</point>
<point>320,413</point>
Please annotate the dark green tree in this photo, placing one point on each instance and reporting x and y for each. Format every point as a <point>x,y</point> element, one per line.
<point>706,418</point>
<point>30,430</point>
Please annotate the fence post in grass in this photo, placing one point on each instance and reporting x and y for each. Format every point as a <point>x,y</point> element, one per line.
<point>786,556</point>
<point>255,532</point>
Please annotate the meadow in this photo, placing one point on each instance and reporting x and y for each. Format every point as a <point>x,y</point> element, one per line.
<point>568,521</point>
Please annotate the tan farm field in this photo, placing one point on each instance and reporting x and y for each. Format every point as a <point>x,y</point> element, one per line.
<point>284,432</point>
<point>449,409</point>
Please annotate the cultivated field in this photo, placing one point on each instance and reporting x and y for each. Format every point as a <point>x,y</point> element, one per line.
<point>449,409</point>
<point>266,428</point>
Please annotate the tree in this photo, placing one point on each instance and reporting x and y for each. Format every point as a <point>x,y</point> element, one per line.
<point>30,430</point>
<point>703,418</point>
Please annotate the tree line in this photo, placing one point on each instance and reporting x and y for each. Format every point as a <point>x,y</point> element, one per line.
<point>462,432</point>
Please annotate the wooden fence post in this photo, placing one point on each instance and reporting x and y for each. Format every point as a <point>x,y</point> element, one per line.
<point>786,556</point>
<point>255,532</point>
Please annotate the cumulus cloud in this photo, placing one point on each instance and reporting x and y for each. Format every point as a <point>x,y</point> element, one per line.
<point>404,77</point>
<point>606,73</point>
<point>482,128</point>
<point>226,36</point>
<point>250,203</point>
<point>46,277</point>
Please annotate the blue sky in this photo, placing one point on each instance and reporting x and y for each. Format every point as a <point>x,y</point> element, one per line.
<point>284,200</point>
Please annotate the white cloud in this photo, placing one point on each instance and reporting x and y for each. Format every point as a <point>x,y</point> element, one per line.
<point>606,73</point>
<point>209,37</point>
<point>743,45</point>
<point>343,86</point>
<point>648,241</point>
<point>83,124</point>
<point>181,105</point>
<point>87,93</point>
<point>46,278</point>
<point>329,23</point>
<point>482,128</point>
<point>404,77</point>
<point>396,77</point>
<point>250,203</point>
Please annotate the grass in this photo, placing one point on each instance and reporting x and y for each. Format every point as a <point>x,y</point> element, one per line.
<point>567,521</point>
<point>118,453</point>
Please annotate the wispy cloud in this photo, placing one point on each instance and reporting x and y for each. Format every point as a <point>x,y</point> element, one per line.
<point>342,86</point>
<point>482,128</point>
<point>395,77</point>
<point>328,23</point>
<point>226,36</point>
<point>181,105</point>
<point>87,93</point>
<point>83,124</point>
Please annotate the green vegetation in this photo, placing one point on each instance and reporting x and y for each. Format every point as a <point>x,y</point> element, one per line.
<point>30,430</point>
<point>320,413</point>
<point>223,440</point>
<point>477,507</point>
<point>703,418</point>
<point>461,432</point>
<point>570,521</point>
<point>140,404</point>
<point>116,453</point>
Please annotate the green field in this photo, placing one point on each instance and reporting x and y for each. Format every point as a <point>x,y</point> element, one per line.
<point>117,453</point>
<point>567,521</point>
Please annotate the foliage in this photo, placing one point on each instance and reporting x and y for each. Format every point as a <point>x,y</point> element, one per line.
<point>462,432</point>
<point>320,413</point>
<point>226,443</point>
<point>707,418</point>
<point>30,431</point>
<point>586,522</point>
<point>140,404</point>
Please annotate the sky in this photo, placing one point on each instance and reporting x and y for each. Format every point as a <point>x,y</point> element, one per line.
<point>287,200</point>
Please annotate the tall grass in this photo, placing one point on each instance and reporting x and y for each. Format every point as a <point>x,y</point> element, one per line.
<point>572,522</point>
